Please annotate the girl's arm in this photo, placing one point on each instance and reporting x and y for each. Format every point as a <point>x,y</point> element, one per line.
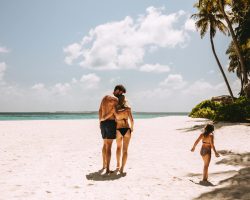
<point>131,119</point>
<point>212,145</point>
<point>196,142</point>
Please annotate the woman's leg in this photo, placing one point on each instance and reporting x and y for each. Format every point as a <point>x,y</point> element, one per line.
<point>206,159</point>
<point>119,148</point>
<point>126,140</point>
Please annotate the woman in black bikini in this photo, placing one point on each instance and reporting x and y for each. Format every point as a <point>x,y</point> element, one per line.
<point>124,129</point>
<point>207,144</point>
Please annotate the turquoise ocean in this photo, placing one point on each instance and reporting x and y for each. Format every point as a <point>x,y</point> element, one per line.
<point>77,115</point>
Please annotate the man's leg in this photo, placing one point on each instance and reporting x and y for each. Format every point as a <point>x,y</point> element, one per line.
<point>108,144</point>
<point>104,162</point>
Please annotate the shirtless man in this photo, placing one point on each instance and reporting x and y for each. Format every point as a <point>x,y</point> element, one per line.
<point>108,126</point>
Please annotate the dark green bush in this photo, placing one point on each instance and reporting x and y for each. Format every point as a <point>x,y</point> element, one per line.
<point>237,111</point>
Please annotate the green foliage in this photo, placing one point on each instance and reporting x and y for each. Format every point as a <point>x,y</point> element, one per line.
<point>204,113</point>
<point>237,111</point>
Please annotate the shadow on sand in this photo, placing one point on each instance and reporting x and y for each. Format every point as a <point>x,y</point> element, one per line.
<point>237,186</point>
<point>203,183</point>
<point>217,125</point>
<point>99,176</point>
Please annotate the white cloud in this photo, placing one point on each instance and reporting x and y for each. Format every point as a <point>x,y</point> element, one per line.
<point>190,25</point>
<point>205,88</point>
<point>74,80</point>
<point>90,80</point>
<point>123,44</point>
<point>154,68</point>
<point>74,51</point>
<point>114,80</point>
<point>211,72</point>
<point>173,81</point>
<point>61,88</point>
<point>3,67</point>
<point>4,50</point>
<point>198,87</point>
<point>166,98</point>
<point>38,86</point>
<point>153,49</point>
<point>156,93</point>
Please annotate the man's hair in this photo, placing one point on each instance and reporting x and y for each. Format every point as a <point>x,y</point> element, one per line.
<point>121,88</point>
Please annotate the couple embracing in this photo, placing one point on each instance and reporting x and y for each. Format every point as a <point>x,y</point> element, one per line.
<point>114,117</point>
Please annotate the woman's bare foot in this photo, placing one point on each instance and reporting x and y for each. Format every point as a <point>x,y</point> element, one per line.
<point>121,170</point>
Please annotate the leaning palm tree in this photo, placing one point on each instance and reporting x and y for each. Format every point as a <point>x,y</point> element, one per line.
<point>236,44</point>
<point>207,18</point>
<point>220,4</point>
<point>234,65</point>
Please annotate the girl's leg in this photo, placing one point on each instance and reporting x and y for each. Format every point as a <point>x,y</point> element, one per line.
<point>206,160</point>
<point>119,148</point>
<point>126,140</point>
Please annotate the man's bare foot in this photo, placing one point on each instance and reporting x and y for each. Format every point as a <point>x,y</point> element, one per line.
<point>109,171</point>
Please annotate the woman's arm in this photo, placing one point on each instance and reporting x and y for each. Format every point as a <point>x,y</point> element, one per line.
<point>212,145</point>
<point>130,116</point>
<point>196,142</point>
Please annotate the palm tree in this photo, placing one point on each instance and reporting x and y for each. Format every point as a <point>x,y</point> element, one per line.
<point>207,18</point>
<point>220,5</point>
<point>234,65</point>
<point>241,17</point>
<point>236,44</point>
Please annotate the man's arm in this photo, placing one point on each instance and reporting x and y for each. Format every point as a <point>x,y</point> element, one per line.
<point>112,112</point>
<point>100,109</point>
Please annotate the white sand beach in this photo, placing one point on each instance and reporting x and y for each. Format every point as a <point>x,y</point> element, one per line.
<point>60,160</point>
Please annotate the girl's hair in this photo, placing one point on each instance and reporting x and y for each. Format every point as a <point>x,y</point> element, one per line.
<point>121,102</point>
<point>209,128</point>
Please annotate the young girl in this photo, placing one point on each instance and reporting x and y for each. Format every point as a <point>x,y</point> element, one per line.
<point>207,144</point>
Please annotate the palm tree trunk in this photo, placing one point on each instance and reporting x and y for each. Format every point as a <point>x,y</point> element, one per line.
<point>241,89</point>
<point>221,69</point>
<point>237,48</point>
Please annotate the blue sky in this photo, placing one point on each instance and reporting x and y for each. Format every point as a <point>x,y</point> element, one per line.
<point>65,55</point>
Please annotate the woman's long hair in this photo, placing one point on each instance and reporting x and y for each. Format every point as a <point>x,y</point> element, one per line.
<point>121,102</point>
<point>209,128</point>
